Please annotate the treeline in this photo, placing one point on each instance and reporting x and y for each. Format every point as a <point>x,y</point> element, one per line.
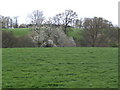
<point>93,32</point>
<point>9,22</point>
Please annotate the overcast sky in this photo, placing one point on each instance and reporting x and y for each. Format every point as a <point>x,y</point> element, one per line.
<point>107,9</point>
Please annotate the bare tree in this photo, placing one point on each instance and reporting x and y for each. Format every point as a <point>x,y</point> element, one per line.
<point>49,22</point>
<point>11,23</point>
<point>94,29</point>
<point>65,18</point>
<point>15,21</point>
<point>0,21</point>
<point>57,19</point>
<point>78,23</point>
<point>6,22</point>
<point>3,21</point>
<point>68,17</point>
<point>36,19</point>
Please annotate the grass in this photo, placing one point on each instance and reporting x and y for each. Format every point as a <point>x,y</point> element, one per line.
<point>1,68</point>
<point>75,33</point>
<point>19,31</point>
<point>79,67</point>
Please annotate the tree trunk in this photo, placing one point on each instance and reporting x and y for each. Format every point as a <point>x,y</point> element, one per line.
<point>65,29</point>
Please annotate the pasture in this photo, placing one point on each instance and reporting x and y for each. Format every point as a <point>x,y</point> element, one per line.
<point>18,32</point>
<point>25,31</point>
<point>69,67</point>
<point>75,33</point>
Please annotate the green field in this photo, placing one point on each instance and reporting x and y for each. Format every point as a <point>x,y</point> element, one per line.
<point>75,33</point>
<point>25,31</point>
<point>19,31</point>
<point>77,67</point>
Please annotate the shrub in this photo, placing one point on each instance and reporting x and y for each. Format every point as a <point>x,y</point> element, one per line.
<point>24,41</point>
<point>22,26</point>
<point>10,41</point>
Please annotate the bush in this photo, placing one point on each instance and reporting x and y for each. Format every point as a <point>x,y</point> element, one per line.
<point>22,26</point>
<point>10,41</point>
<point>24,41</point>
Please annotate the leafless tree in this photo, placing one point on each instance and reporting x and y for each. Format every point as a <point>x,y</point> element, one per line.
<point>0,21</point>
<point>6,22</point>
<point>3,21</point>
<point>15,21</point>
<point>57,19</point>
<point>68,17</point>
<point>37,19</point>
<point>78,23</point>
<point>65,18</point>
<point>11,23</point>
<point>94,30</point>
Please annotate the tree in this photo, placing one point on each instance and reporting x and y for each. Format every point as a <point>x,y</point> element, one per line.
<point>15,21</point>
<point>3,21</point>
<point>68,17</point>
<point>6,22</point>
<point>78,23</point>
<point>65,18</point>
<point>57,19</point>
<point>94,29</point>
<point>36,19</point>
<point>0,21</point>
<point>11,23</point>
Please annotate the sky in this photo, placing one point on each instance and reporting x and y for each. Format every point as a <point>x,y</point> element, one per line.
<point>108,9</point>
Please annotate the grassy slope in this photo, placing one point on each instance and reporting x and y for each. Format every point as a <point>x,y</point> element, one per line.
<point>75,32</point>
<point>60,67</point>
<point>19,31</point>
<point>24,31</point>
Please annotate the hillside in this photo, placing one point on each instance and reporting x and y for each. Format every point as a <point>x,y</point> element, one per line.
<point>18,32</point>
